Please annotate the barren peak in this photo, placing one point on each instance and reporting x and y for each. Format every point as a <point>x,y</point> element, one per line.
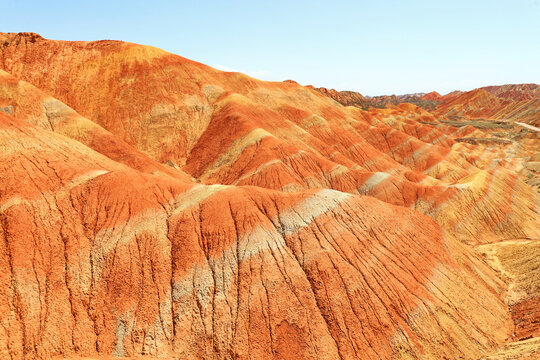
<point>20,37</point>
<point>431,96</point>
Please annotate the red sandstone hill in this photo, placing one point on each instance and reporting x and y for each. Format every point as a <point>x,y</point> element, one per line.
<point>475,103</point>
<point>507,102</point>
<point>515,92</point>
<point>433,96</point>
<point>26,102</point>
<point>152,205</point>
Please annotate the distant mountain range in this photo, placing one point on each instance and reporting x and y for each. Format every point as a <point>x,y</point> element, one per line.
<point>516,101</point>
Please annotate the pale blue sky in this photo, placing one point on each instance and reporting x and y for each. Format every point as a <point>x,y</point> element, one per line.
<point>375,47</point>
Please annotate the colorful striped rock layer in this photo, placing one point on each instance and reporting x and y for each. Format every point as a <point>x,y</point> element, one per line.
<point>152,206</point>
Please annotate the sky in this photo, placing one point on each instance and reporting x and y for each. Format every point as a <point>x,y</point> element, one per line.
<point>375,47</point>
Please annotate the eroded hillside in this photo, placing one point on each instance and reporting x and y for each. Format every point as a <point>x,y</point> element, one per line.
<point>152,205</point>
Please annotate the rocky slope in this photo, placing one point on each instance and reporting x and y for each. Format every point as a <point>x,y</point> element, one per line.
<point>507,102</point>
<point>26,102</point>
<point>515,92</point>
<point>151,205</point>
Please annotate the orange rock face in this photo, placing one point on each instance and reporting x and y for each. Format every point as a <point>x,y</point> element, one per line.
<point>153,206</point>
